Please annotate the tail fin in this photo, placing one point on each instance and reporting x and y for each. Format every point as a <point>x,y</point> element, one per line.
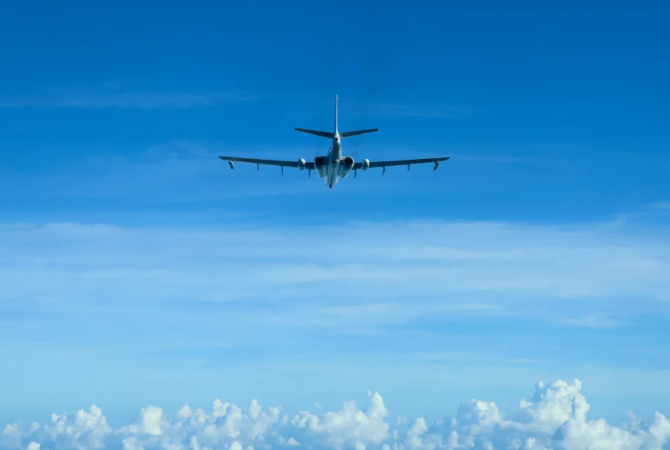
<point>325,134</point>
<point>347,134</point>
<point>335,113</point>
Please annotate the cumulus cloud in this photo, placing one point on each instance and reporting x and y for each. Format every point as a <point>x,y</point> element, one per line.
<point>554,417</point>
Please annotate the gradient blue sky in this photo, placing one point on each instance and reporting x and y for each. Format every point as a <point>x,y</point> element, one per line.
<point>137,268</point>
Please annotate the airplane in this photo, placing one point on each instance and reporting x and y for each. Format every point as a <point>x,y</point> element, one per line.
<point>334,166</point>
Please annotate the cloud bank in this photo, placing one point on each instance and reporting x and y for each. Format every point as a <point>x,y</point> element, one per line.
<point>554,417</point>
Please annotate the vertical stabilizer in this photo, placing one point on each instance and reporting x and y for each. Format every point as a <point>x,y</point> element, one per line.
<point>335,113</point>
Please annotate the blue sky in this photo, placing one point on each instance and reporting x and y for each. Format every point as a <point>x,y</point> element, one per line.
<point>137,268</point>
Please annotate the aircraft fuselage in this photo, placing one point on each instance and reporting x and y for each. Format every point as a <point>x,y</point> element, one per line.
<point>332,171</point>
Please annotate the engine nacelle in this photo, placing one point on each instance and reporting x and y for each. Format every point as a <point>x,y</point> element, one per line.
<point>320,165</point>
<point>346,165</point>
<point>301,164</point>
<point>365,164</point>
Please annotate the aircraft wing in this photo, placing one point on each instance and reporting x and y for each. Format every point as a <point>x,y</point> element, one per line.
<point>402,162</point>
<point>267,162</point>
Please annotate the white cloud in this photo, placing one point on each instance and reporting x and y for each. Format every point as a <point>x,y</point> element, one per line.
<point>150,421</point>
<point>85,428</point>
<point>554,418</point>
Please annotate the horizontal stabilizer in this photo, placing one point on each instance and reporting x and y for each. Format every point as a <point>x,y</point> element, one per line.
<point>325,134</point>
<point>347,134</point>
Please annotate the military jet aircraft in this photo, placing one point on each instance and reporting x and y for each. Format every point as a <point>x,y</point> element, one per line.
<point>334,166</point>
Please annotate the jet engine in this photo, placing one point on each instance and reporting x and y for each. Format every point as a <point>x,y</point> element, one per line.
<point>301,164</point>
<point>346,166</point>
<point>365,164</point>
<point>320,165</point>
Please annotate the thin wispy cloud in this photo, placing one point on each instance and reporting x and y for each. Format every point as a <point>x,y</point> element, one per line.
<point>663,206</point>
<point>596,321</point>
<point>177,172</point>
<point>235,303</point>
<point>459,268</point>
<point>183,171</point>
<point>416,111</point>
<point>112,98</point>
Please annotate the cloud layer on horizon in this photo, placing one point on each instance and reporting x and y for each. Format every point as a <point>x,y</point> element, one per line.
<point>553,418</point>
